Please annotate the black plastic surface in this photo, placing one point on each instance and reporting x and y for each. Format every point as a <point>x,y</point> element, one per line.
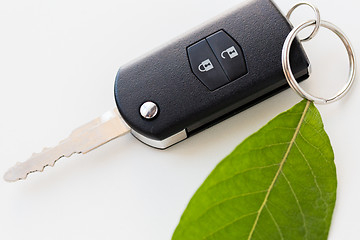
<point>165,77</point>
<point>205,65</point>
<point>229,54</point>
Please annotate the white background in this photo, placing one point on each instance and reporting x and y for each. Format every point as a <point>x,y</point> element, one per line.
<point>58,61</point>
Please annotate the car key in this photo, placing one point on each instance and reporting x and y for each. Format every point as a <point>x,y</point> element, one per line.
<point>201,78</point>
<point>82,140</point>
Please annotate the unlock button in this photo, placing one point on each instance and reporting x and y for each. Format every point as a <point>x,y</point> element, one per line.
<point>229,54</point>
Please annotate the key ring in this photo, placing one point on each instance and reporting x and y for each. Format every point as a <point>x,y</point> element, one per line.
<point>317,17</point>
<point>290,76</point>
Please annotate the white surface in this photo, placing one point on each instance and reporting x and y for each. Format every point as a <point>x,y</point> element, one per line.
<point>57,66</point>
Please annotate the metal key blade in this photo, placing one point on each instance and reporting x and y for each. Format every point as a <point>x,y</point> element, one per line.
<point>82,140</point>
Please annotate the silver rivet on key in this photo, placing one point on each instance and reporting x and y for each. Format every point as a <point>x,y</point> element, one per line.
<point>148,110</point>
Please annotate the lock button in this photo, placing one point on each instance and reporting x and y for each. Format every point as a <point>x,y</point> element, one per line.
<point>205,65</point>
<point>229,54</point>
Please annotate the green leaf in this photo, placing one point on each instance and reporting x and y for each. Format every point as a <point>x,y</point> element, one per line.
<point>280,183</point>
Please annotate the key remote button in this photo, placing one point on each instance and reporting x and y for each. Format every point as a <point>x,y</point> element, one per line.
<point>229,54</point>
<point>205,66</point>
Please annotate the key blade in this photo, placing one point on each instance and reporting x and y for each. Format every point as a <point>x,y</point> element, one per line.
<point>82,140</point>
<point>98,132</point>
<point>36,163</point>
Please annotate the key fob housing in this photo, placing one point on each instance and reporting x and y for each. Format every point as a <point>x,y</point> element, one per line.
<point>209,74</point>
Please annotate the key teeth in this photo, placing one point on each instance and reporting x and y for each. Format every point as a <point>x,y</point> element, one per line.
<point>82,140</point>
<point>10,175</point>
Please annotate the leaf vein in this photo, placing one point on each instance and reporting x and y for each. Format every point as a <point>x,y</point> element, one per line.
<point>312,173</point>
<point>239,173</point>
<point>263,147</point>
<point>276,224</point>
<point>314,128</point>
<point>230,223</point>
<point>229,199</point>
<point>312,145</point>
<point>280,168</point>
<point>297,203</point>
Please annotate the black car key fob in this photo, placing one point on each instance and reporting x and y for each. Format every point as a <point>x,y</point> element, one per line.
<point>207,75</point>
<point>195,81</point>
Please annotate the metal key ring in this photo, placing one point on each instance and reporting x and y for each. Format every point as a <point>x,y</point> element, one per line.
<point>287,69</point>
<point>317,15</point>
